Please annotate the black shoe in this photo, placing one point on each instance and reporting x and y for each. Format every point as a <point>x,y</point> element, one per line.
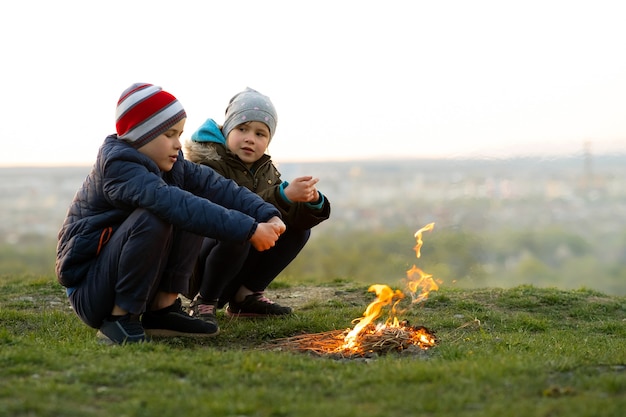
<point>204,311</point>
<point>256,305</point>
<point>174,321</point>
<point>126,329</point>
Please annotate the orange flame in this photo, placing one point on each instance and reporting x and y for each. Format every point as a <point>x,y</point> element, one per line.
<point>419,284</point>
<point>417,279</point>
<point>384,296</point>
<point>418,236</point>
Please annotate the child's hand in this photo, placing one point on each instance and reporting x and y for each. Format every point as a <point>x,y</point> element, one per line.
<point>303,190</point>
<point>277,220</point>
<point>266,235</point>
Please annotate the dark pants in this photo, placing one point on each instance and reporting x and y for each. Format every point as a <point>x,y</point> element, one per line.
<point>223,266</point>
<point>144,256</point>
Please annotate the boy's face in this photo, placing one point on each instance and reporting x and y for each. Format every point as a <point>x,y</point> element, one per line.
<point>249,141</point>
<point>163,149</point>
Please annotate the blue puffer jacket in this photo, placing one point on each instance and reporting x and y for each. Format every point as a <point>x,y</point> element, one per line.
<point>192,197</point>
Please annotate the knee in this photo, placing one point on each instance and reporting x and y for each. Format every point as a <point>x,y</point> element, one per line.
<point>297,236</point>
<point>232,248</point>
<point>147,222</point>
<point>222,248</point>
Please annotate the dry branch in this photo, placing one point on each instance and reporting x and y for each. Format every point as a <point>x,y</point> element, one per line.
<point>370,341</point>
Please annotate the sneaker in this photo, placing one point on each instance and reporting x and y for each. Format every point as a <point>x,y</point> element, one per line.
<point>256,305</point>
<point>126,329</point>
<point>174,321</point>
<point>203,310</point>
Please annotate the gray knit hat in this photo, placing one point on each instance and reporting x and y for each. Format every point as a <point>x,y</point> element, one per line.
<point>249,106</point>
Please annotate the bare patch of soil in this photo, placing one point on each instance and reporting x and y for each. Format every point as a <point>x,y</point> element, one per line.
<point>299,296</point>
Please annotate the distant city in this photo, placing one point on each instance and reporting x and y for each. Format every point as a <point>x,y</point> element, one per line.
<point>580,192</point>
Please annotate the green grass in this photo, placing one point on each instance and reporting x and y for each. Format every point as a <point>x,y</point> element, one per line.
<point>524,351</point>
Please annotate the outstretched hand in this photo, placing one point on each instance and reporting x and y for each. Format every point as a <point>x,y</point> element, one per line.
<point>302,190</point>
<point>266,234</point>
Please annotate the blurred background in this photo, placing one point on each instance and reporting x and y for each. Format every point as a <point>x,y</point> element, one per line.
<point>501,122</point>
<point>554,222</point>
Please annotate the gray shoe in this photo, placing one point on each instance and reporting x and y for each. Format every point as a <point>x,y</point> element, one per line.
<point>204,311</point>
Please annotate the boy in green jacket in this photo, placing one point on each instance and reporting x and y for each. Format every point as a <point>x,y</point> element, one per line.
<point>238,274</point>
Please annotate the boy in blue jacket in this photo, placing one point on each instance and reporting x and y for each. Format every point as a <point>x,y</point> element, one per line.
<point>127,247</point>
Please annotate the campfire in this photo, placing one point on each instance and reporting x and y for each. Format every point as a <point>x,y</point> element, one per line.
<point>368,337</point>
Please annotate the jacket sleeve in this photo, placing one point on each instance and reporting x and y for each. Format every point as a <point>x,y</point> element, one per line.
<point>208,183</point>
<point>207,204</point>
<point>301,215</point>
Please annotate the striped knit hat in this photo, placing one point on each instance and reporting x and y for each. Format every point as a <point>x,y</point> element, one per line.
<point>145,111</point>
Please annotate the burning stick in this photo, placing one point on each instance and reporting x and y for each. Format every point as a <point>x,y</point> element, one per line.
<point>372,341</point>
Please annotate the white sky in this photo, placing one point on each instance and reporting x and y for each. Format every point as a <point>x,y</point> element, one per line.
<point>350,79</point>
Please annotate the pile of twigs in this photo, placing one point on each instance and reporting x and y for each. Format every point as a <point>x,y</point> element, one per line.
<point>371,341</point>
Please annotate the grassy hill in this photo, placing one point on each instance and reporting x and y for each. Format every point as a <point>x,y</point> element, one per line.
<point>523,351</point>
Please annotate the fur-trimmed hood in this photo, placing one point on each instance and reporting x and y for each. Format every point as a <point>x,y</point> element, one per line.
<point>201,153</point>
<point>204,143</point>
